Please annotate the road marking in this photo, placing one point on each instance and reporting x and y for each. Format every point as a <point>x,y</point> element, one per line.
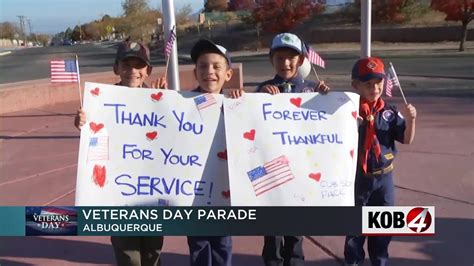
<point>37,175</point>
<point>59,197</point>
<point>5,53</point>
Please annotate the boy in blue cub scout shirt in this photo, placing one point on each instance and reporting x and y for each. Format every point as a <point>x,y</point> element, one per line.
<point>212,70</point>
<point>286,56</point>
<point>380,127</point>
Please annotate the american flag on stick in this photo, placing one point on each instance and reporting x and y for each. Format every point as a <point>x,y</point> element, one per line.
<point>313,57</point>
<point>271,175</point>
<point>392,81</point>
<point>64,71</point>
<point>169,43</point>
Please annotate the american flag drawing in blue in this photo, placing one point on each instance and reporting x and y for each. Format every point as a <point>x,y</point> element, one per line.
<point>271,175</point>
<point>204,101</point>
<point>64,71</point>
<point>98,148</point>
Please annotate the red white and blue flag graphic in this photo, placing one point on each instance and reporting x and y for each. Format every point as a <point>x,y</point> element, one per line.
<point>204,101</point>
<point>64,71</point>
<point>271,175</point>
<point>169,43</point>
<point>391,81</point>
<point>313,57</point>
<point>98,148</point>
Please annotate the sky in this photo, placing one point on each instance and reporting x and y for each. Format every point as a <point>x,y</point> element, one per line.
<point>54,16</point>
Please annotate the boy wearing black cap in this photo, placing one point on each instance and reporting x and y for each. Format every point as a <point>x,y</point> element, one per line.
<point>212,70</point>
<point>380,127</point>
<point>286,56</point>
<point>133,65</point>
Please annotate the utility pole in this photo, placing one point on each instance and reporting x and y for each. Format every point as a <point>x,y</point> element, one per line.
<point>22,28</point>
<point>29,27</point>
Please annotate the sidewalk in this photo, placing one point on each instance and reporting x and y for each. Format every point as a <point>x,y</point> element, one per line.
<point>38,167</point>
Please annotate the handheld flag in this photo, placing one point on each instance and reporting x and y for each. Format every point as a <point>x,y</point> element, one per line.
<point>169,43</point>
<point>313,57</point>
<point>168,49</point>
<point>64,71</point>
<point>392,81</point>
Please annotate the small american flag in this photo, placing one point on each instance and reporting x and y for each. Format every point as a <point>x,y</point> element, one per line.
<point>204,101</point>
<point>98,148</point>
<point>169,43</point>
<point>271,175</point>
<point>64,71</point>
<point>391,81</point>
<point>314,57</point>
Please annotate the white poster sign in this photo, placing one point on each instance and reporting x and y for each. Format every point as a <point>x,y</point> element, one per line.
<point>292,149</point>
<point>147,147</point>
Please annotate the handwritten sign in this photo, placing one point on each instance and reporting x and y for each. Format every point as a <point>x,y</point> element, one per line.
<point>146,147</point>
<point>292,149</point>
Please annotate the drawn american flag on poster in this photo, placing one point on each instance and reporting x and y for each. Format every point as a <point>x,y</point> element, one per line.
<point>271,175</point>
<point>204,101</point>
<point>98,148</point>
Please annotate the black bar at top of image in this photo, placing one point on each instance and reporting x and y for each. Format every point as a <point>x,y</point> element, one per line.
<point>324,221</point>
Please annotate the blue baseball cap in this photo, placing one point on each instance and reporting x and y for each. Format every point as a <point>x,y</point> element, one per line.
<point>287,40</point>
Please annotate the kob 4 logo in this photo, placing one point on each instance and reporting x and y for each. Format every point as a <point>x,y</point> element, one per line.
<point>398,220</point>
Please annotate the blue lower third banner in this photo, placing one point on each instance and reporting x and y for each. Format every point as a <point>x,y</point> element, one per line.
<point>181,221</point>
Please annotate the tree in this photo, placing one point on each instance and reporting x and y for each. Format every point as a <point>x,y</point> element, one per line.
<point>43,39</point>
<point>8,30</point>
<point>134,7</point>
<point>183,17</point>
<point>76,34</point>
<point>283,15</point>
<point>456,10</point>
<point>68,34</point>
<point>239,5</point>
<point>215,5</point>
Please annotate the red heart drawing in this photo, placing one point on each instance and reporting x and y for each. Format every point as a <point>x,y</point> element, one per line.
<point>315,176</point>
<point>250,135</point>
<point>354,114</point>
<point>95,91</point>
<point>352,153</point>
<point>151,135</point>
<point>96,127</point>
<point>296,101</point>
<point>99,175</point>
<point>156,96</point>
<point>222,155</point>
<point>226,194</point>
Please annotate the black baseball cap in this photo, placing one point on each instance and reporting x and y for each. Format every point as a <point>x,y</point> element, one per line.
<point>133,49</point>
<point>206,46</point>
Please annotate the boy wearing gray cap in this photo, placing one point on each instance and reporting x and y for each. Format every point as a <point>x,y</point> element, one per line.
<point>287,55</point>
